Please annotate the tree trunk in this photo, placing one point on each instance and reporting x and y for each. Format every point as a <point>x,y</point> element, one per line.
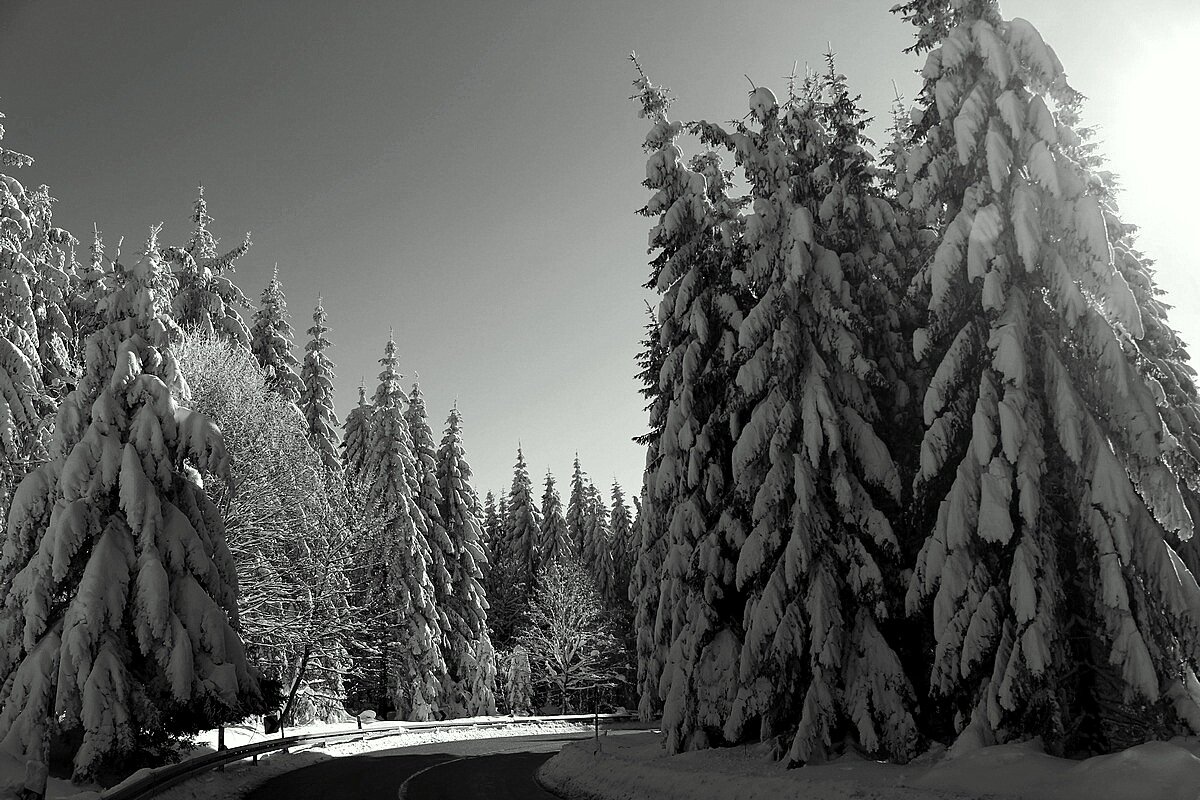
<point>565,707</point>
<point>301,666</point>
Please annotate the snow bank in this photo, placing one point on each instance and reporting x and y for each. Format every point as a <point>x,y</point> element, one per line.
<point>1150,771</point>
<point>239,778</point>
<point>636,767</point>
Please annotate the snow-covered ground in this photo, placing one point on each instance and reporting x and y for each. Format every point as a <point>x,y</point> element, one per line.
<point>240,778</point>
<point>637,767</point>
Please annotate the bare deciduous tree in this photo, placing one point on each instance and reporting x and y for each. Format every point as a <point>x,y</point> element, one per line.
<point>568,636</point>
<point>288,526</point>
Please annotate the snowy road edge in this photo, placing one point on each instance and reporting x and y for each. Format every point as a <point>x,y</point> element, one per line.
<point>150,783</point>
<point>558,777</point>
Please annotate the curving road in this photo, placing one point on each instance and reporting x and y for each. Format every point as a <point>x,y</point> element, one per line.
<point>476,769</point>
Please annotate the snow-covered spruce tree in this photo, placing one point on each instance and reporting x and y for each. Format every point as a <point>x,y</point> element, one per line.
<point>120,597</point>
<point>481,692</point>
<point>916,243</point>
<point>518,685</point>
<point>316,399</point>
<point>577,505</point>
<point>90,284</point>
<point>523,524</point>
<point>808,461</point>
<point>650,540</point>
<point>596,554</point>
<point>427,496</point>
<point>52,251</point>
<point>859,223</point>
<point>205,297</point>
<point>470,659</point>
<point>697,624</point>
<point>491,527</point>
<point>623,547</point>
<point>555,540</point>
<point>356,438</point>
<point>36,267</point>
<point>512,557</point>
<point>1059,599</point>
<point>400,559</point>
<point>271,342</point>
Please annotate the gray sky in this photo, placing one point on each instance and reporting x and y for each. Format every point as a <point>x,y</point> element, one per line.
<point>468,172</point>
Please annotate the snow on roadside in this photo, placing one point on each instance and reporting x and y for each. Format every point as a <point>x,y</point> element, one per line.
<point>632,768</point>
<point>240,778</point>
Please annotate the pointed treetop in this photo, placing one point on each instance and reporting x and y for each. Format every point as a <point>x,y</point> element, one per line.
<point>655,99</point>
<point>202,244</point>
<point>319,328</point>
<point>389,394</point>
<point>97,248</point>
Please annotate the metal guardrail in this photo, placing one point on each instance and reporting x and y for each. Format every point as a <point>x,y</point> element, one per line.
<point>166,777</point>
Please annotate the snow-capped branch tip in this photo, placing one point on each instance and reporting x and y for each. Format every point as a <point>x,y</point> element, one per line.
<point>655,100</point>
<point>152,239</point>
<point>638,65</point>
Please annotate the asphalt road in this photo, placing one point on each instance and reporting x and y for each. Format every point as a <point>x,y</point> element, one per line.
<point>475,769</point>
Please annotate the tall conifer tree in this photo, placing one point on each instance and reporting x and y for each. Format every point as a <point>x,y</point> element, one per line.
<point>316,400</point>
<point>555,540</point>
<point>577,505</point>
<point>205,297</point>
<point>356,437</point>
<point>470,659</point>
<point>400,557</point>
<point>1051,574</point>
<point>623,547</point>
<point>36,270</point>
<point>689,485</point>
<point>271,342</point>
<point>110,632</point>
<point>523,524</point>
<point>808,462</point>
<point>597,552</point>
<point>491,526</point>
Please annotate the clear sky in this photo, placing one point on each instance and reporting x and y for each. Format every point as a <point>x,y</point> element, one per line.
<point>467,172</point>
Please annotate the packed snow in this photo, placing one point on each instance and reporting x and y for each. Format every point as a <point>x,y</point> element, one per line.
<point>629,767</point>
